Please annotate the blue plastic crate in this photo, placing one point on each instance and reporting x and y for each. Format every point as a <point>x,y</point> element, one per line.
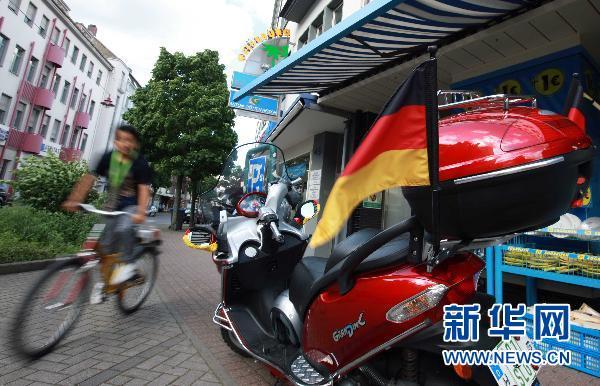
<point>584,346</point>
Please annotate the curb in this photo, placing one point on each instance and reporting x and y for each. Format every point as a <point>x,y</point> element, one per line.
<point>25,266</point>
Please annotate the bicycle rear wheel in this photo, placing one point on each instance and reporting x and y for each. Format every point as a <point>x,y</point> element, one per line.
<point>134,293</point>
<point>50,308</point>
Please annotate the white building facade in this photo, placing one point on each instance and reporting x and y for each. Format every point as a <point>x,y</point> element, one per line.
<point>55,84</point>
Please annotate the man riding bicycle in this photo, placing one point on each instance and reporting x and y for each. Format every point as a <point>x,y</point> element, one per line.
<point>129,178</point>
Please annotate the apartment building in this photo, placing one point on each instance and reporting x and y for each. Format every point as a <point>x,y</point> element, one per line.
<point>61,90</point>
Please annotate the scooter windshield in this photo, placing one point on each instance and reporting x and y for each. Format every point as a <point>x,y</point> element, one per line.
<point>249,168</point>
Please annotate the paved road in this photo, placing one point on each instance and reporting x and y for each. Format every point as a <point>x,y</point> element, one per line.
<point>171,340</point>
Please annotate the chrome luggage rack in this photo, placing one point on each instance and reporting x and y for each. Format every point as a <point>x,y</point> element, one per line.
<point>471,100</point>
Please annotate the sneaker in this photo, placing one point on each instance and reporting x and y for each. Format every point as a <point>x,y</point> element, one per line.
<point>122,273</point>
<point>97,295</point>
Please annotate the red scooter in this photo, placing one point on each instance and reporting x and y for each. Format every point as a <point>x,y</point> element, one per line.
<point>371,313</point>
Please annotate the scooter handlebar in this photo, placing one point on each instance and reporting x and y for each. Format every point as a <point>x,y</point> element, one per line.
<point>277,236</point>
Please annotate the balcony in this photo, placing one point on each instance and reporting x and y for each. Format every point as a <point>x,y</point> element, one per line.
<point>43,98</point>
<point>68,154</point>
<point>81,120</point>
<point>27,142</point>
<point>56,55</point>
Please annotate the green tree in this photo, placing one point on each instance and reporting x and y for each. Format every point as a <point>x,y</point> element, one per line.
<point>183,116</point>
<point>45,182</point>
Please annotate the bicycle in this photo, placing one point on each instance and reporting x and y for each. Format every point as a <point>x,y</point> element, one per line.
<point>65,286</point>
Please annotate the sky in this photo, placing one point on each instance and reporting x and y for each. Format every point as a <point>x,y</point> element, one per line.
<point>136,29</point>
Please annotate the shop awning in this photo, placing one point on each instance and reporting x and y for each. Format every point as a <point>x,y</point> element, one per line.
<point>382,34</point>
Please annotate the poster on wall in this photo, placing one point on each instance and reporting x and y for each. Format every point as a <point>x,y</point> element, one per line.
<point>314,185</point>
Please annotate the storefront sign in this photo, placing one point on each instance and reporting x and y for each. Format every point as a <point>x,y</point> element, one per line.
<point>251,44</point>
<point>549,81</point>
<point>256,104</point>
<point>314,184</point>
<point>373,201</point>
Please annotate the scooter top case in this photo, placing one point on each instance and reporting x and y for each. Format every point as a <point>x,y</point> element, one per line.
<point>504,169</point>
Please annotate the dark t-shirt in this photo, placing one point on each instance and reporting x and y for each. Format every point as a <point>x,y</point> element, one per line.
<point>127,194</point>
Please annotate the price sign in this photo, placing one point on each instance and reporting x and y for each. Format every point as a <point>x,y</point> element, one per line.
<point>549,81</point>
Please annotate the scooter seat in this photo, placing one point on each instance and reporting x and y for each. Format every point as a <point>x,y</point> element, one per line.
<point>313,274</point>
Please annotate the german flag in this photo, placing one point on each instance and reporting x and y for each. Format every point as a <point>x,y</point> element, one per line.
<point>394,153</point>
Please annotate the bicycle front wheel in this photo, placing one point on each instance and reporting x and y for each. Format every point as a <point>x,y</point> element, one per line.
<point>134,293</point>
<point>50,308</point>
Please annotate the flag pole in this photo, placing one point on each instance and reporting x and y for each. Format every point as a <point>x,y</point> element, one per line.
<point>431,101</point>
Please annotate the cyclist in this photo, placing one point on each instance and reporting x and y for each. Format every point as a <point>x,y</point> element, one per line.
<point>129,178</point>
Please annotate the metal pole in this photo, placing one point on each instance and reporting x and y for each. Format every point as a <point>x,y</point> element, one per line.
<point>433,145</point>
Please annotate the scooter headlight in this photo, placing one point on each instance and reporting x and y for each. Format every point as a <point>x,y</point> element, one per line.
<point>417,304</point>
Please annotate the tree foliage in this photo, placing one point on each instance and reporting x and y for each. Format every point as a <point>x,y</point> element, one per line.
<point>45,182</point>
<point>183,114</point>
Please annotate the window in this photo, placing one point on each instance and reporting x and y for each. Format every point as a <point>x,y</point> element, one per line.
<point>99,77</point>
<point>55,35</point>
<point>336,12</point>
<point>65,135</point>
<point>56,85</point>
<point>5,102</point>
<point>73,140</point>
<point>14,5</point>
<point>15,65</point>
<point>83,62</point>
<point>4,168</point>
<point>30,14</point>
<point>91,110</point>
<point>303,40</point>
<point>66,46</point>
<point>44,26</point>
<point>3,48</point>
<point>45,76</point>
<point>65,92</point>
<point>19,116</point>
<point>74,97</point>
<point>82,103</point>
<point>75,54</point>
<point>44,128</point>
<point>122,83</point>
<point>90,69</point>
<point>55,128</point>
<point>317,26</point>
<point>33,120</point>
<point>83,142</point>
<point>33,64</point>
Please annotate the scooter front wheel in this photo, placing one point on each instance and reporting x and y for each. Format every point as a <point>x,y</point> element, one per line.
<point>233,343</point>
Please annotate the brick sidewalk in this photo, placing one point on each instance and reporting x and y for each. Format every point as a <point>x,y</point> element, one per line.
<point>105,347</point>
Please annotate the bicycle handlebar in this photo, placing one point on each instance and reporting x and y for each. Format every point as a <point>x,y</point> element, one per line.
<point>93,209</point>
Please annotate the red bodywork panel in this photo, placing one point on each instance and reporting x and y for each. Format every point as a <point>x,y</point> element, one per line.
<point>373,295</point>
<point>492,139</point>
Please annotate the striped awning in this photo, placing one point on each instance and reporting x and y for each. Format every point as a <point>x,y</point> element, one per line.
<point>381,34</point>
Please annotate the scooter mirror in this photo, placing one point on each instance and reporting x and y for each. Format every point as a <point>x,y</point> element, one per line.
<point>306,211</point>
